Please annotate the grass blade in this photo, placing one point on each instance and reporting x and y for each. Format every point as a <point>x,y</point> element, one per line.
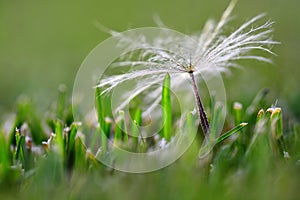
<point>19,147</point>
<point>120,128</point>
<point>231,132</point>
<point>59,139</point>
<point>237,108</point>
<point>4,154</point>
<point>215,122</point>
<point>70,146</point>
<point>277,132</point>
<point>101,120</point>
<point>167,108</point>
<point>61,103</point>
<point>99,108</point>
<point>135,127</point>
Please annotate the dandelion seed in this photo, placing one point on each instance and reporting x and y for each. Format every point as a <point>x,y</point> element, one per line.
<point>183,58</point>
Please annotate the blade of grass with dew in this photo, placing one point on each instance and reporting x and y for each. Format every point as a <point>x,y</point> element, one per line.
<point>237,109</point>
<point>231,132</point>
<point>167,108</point>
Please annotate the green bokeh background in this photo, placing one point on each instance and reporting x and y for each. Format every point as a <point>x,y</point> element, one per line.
<point>42,43</point>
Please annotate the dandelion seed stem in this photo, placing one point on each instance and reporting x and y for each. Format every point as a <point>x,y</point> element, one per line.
<point>203,118</point>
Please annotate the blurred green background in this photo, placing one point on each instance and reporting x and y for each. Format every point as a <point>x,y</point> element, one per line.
<point>42,43</point>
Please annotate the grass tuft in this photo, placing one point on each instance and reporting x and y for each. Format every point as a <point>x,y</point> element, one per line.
<point>256,154</point>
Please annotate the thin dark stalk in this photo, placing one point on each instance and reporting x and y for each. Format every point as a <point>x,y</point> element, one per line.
<point>203,118</point>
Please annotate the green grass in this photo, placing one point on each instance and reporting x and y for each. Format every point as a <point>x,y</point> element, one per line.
<point>256,157</point>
